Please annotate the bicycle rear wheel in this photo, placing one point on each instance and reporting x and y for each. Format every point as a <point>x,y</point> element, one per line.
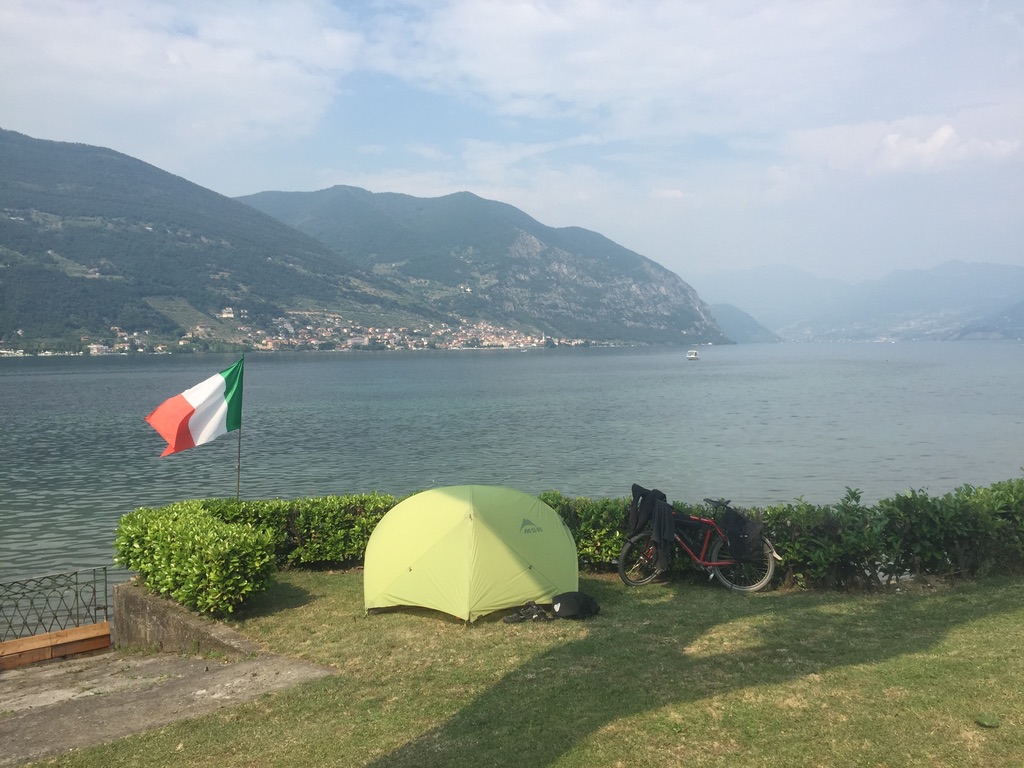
<point>638,560</point>
<point>748,575</point>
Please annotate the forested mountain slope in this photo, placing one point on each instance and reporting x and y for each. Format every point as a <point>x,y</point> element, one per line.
<point>479,258</point>
<point>91,239</point>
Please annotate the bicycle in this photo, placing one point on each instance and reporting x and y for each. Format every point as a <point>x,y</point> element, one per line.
<point>742,566</point>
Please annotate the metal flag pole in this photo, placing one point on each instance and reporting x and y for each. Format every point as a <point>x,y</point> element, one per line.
<point>238,467</point>
<point>238,462</point>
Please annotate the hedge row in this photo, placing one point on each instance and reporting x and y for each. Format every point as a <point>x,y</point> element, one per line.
<point>967,533</point>
<point>313,531</point>
<point>186,553</point>
<point>212,554</point>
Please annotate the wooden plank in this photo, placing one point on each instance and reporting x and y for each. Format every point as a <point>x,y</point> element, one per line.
<point>53,645</point>
<point>49,639</point>
<point>15,660</point>
<point>81,646</point>
<point>47,652</point>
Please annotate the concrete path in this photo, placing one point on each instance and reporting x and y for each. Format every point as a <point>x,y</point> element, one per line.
<point>49,708</point>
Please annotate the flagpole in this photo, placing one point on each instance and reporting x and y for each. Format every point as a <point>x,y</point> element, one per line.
<point>238,466</point>
<point>238,461</point>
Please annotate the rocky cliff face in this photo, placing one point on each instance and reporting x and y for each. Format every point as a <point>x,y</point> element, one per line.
<point>559,287</point>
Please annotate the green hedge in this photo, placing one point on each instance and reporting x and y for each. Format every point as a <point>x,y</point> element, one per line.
<point>596,525</point>
<point>966,533</point>
<point>186,553</point>
<point>212,554</point>
<point>325,530</point>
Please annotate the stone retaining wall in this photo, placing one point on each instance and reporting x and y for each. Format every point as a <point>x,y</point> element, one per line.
<point>148,622</point>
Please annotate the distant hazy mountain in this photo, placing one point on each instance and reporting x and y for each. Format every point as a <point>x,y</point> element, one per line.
<point>937,303</point>
<point>479,258</point>
<point>92,239</point>
<point>741,327</point>
<point>1007,324</point>
<point>775,296</point>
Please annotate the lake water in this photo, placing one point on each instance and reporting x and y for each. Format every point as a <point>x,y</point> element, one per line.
<point>759,424</point>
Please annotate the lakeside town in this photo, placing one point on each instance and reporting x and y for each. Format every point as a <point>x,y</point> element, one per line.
<point>311,331</point>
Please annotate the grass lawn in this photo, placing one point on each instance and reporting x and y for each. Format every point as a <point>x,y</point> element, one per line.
<point>683,673</point>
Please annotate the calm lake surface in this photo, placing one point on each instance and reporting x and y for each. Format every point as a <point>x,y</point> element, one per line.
<point>759,424</point>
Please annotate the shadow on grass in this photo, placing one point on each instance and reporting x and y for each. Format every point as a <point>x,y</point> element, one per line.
<point>278,597</point>
<point>620,669</point>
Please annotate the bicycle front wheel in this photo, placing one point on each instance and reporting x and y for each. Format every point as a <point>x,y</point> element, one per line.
<point>748,575</point>
<point>638,560</point>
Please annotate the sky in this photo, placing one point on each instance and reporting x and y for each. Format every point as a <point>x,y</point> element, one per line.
<point>846,138</point>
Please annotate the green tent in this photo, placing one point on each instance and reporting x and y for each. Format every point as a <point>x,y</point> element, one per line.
<point>468,550</point>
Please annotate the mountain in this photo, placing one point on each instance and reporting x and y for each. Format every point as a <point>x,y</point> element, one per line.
<point>91,238</point>
<point>741,327</point>
<point>1007,324</point>
<point>484,260</point>
<point>95,244</point>
<point>776,296</point>
<point>950,301</point>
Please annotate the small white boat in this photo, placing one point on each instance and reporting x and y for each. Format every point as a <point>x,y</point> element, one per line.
<point>692,355</point>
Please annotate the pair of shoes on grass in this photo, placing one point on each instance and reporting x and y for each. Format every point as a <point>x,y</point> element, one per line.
<point>529,612</point>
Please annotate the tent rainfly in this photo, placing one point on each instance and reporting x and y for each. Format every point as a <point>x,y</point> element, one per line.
<point>469,550</point>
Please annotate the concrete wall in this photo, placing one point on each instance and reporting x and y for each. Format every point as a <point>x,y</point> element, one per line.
<point>148,622</point>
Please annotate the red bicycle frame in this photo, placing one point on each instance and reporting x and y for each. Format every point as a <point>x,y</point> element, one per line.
<point>703,541</point>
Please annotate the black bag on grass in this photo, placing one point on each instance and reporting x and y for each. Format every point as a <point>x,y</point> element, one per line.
<point>574,605</point>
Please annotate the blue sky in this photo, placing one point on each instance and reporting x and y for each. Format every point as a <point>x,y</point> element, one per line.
<point>847,138</point>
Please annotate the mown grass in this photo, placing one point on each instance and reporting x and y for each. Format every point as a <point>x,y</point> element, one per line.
<point>671,674</point>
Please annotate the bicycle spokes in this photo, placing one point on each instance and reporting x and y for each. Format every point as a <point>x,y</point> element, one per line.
<point>638,561</point>
<point>746,575</point>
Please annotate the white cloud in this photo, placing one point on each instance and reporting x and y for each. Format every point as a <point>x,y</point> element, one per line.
<point>427,151</point>
<point>656,67</point>
<point>169,74</point>
<point>911,145</point>
<point>943,148</point>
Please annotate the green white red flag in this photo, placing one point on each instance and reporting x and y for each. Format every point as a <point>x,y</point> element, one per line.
<point>198,415</point>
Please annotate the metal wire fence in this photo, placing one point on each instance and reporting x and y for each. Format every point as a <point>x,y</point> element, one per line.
<point>50,603</point>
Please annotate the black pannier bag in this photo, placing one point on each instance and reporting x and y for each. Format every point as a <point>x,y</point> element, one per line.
<point>744,534</point>
<point>574,605</point>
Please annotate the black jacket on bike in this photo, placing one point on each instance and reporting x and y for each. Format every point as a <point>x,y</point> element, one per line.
<point>651,505</point>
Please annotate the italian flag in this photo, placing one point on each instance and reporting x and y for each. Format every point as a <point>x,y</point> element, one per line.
<point>198,415</point>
